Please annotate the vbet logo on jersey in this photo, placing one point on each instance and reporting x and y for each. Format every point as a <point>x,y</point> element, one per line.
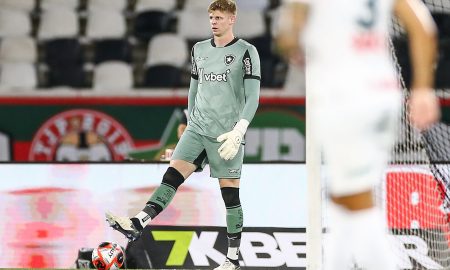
<point>213,76</point>
<point>80,135</point>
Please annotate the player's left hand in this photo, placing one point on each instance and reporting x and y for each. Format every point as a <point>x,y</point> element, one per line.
<point>423,108</point>
<point>230,147</point>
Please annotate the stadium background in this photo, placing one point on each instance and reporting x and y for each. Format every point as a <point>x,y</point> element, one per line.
<point>106,80</point>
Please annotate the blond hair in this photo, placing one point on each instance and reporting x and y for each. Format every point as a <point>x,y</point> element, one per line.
<point>223,5</point>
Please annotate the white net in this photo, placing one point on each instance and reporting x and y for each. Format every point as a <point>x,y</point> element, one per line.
<point>417,187</point>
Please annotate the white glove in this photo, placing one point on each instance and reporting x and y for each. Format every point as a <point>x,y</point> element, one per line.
<point>233,139</point>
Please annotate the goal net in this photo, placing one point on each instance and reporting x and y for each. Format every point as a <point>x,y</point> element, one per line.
<point>416,193</point>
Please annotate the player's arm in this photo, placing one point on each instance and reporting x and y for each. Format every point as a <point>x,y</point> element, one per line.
<point>193,84</point>
<point>422,35</point>
<point>291,23</point>
<point>252,83</point>
<point>252,79</point>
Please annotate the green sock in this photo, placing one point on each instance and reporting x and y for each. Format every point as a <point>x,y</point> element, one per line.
<point>159,200</point>
<point>235,219</point>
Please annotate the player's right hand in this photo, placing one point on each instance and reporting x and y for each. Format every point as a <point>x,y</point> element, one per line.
<point>230,147</point>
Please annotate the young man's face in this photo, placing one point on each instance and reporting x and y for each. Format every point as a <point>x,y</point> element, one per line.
<point>221,22</point>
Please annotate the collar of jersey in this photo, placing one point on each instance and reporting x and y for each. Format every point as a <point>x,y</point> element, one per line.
<point>229,43</point>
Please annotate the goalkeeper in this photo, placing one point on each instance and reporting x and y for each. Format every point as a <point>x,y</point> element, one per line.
<point>223,98</point>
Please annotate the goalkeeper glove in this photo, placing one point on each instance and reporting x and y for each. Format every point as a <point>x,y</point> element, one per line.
<point>233,139</point>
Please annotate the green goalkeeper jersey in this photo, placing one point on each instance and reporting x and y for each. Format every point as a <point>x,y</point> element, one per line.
<point>224,86</point>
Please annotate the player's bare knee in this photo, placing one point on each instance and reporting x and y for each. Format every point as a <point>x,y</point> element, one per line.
<point>230,196</point>
<point>355,202</point>
<point>173,177</point>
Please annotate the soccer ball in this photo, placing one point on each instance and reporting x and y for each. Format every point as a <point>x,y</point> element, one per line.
<point>107,256</point>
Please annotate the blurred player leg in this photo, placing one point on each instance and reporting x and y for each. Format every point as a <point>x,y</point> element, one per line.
<point>356,148</point>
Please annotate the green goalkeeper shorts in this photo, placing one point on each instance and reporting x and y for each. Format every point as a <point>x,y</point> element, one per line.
<point>199,150</point>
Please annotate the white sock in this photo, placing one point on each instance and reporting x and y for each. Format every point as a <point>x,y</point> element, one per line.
<point>359,236</point>
<point>233,253</point>
<point>337,252</point>
<point>370,240</point>
<point>143,218</point>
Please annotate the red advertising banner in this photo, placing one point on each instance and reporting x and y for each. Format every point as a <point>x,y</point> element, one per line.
<point>418,217</point>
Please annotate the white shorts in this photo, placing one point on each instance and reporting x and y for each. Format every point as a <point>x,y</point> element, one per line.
<point>357,135</point>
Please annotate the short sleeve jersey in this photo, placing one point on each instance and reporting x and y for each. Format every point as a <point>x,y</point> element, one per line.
<point>221,72</point>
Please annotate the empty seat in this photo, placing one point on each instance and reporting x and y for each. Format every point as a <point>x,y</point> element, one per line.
<point>113,75</point>
<point>21,5</point>
<point>252,28</point>
<point>105,24</point>
<point>443,65</point>
<point>58,23</point>
<point>18,76</point>
<point>443,24</point>
<point>14,23</point>
<point>52,4</point>
<point>295,80</point>
<point>263,44</point>
<point>155,5</point>
<point>112,49</point>
<point>162,76</point>
<point>60,52</point>
<point>72,76</point>
<point>166,56</point>
<point>194,25</point>
<point>169,49</point>
<point>274,17</point>
<point>251,25</point>
<point>201,5</point>
<point>18,49</point>
<point>443,74</point>
<point>117,5</point>
<point>252,5</point>
<point>150,23</point>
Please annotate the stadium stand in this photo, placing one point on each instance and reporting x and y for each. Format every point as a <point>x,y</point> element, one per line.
<point>68,40</point>
<point>74,36</point>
